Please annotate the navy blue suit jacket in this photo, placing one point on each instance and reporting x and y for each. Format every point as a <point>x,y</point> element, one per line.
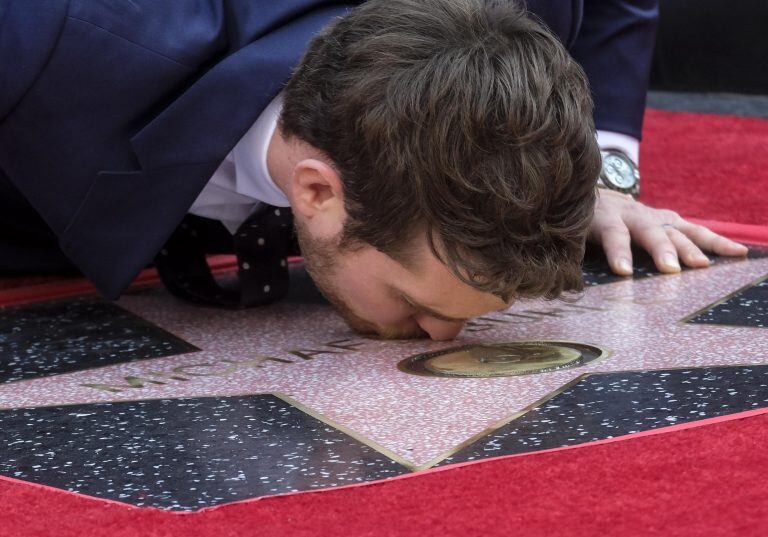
<point>115,113</point>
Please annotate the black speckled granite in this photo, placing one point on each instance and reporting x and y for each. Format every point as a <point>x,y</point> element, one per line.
<point>597,271</point>
<point>606,405</point>
<point>183,453</point>
<point>60,337</point>
<point>748,307</point>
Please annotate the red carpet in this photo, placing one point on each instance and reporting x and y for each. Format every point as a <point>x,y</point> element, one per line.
<point>706,166</point>
<point>19,290</point>
<point>704,478</point>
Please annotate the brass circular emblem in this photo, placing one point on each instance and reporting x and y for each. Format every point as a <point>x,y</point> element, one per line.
<point>502,359</point>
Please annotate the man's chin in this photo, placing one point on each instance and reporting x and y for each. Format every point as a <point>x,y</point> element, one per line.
<point>372,331</point>
<point>391,334</point>
<point>368,329</point>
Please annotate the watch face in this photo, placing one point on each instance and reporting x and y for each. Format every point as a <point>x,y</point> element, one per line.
<point>619,171</point>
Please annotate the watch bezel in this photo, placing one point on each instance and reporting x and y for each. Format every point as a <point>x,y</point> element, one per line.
<point>605,181</point>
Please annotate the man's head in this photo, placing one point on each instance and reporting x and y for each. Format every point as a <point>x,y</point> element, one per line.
<point>443,163</point>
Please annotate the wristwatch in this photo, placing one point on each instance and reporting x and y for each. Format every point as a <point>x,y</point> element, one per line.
<point>619,173</point>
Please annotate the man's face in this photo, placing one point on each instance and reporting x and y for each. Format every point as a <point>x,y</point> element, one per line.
<point>377,295</point>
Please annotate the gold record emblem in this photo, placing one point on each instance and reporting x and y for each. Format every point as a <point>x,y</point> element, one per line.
<point>502,359</point>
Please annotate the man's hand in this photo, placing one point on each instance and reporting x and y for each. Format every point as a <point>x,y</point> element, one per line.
<point>619,219</point>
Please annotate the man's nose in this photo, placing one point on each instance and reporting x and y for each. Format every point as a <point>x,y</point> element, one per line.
<point>438,329</point>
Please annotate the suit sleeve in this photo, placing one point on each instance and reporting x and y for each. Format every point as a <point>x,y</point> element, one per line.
<point>614,46</point>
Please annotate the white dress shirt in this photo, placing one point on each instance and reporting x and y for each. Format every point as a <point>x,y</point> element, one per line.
<point>626,144</point>
<point>242,181</point>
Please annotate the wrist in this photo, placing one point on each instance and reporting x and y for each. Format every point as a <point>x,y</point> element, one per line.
<point>629,145</point>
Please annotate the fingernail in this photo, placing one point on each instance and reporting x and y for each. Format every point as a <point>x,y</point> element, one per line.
<point>625,266</point>
<point>671,261</point>
<point>702,258</point>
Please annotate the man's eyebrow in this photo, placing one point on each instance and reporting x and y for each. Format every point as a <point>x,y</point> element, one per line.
<point>429,311</point>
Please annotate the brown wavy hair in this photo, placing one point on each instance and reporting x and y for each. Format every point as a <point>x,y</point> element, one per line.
<point>466,120</point>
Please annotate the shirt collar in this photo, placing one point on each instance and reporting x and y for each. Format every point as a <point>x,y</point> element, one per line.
<point>252,176</point>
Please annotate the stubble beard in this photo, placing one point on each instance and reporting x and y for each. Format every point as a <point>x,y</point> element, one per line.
<point>321,261</point>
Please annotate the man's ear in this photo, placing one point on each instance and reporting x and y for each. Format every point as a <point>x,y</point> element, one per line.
<point>317,196</point>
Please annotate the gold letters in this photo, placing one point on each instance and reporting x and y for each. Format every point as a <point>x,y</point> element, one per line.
<point>529,316</point>
<point>132,382</point>
<point>222,368</point>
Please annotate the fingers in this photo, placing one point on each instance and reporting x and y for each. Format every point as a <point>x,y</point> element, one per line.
<point>619,221</point>
<point>711,241</point>
<point>616,244</point>
<point>687,251</point>
<point>649,234</point>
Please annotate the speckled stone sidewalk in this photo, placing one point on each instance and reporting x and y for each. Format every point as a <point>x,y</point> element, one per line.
<point>667,362</point>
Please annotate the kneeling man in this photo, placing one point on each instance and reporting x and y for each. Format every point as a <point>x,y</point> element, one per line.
<point>439,157</point>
